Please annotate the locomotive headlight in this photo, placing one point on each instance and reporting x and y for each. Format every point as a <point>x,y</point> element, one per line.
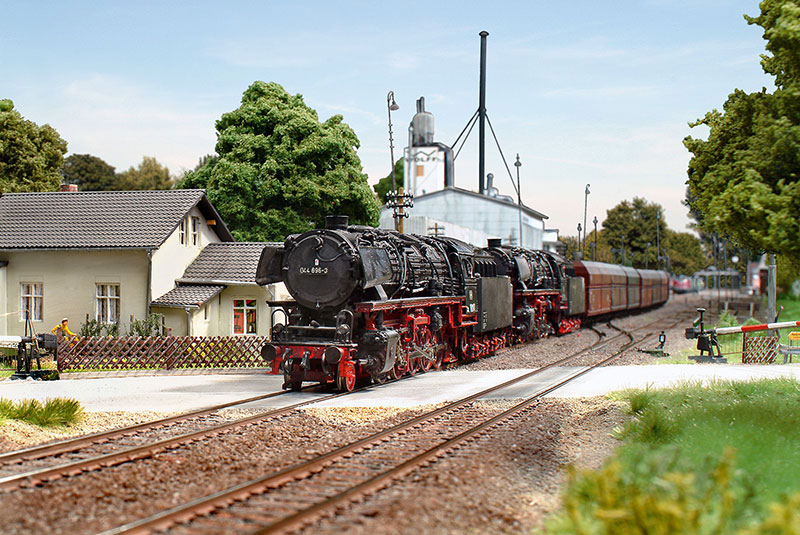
<point>333,355</point>
<point>269,352</point>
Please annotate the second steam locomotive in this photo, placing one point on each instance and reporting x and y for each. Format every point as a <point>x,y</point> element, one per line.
<point>373,304</point>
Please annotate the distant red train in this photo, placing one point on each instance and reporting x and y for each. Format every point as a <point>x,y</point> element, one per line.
<point>372,304</point>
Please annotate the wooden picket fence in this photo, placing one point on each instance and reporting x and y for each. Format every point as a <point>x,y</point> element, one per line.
<point>160,352</point>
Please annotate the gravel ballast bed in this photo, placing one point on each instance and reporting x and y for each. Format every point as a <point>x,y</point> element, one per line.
<point>503,483</point>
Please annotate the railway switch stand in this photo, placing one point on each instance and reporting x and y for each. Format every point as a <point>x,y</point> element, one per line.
<point>706,342</point>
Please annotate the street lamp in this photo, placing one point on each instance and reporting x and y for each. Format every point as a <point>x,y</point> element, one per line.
<point>585,205</point>
<point>579,240</point>
<point>518,164</point>
<point>391,106</point>
<point>658,239</point>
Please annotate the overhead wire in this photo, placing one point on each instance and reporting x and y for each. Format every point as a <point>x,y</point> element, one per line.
<point>501,154</point>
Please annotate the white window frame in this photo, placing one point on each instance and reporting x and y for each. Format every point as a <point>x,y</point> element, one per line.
<point>103,301</point>
<point>245,309</point>
<point>195,230</point>
<point>182,233</point>
<point>31,293</point>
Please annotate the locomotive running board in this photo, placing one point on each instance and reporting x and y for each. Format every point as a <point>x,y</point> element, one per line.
<point>368,306</point>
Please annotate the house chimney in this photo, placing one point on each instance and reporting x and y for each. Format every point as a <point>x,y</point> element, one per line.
<point>69,187</point>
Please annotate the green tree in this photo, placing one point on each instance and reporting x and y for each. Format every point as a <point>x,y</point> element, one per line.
<point>281,171</point>
<point>743,180</point>
<point>384,185</point>
<point>685,252</point>
<point>31,156</point>
<point>636,221</point>
<point>90,173</point>
<point>148,175</point>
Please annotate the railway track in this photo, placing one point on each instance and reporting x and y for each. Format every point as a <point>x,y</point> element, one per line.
<point>49,462</point>
<point>297,495</point>
<point>33,466</point>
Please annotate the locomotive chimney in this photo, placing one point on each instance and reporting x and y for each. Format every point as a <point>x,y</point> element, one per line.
<point>494,242</point>
<point>337,222</point>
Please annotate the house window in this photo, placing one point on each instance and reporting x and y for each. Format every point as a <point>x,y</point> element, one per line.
<point>182,232</point>
<point>244,316</point>
<point>205,312</point>
<point>195,231</point>
<point>107,303</point>
<point>31,300</point>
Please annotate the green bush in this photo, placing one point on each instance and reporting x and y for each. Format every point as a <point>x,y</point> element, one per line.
<point>53,413</point>
<point>717,459</point>
<point>150,326</point>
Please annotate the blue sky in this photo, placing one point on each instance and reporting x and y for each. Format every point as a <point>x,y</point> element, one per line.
<point>585,92</point>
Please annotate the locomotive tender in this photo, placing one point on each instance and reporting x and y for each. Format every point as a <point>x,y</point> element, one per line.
<point>374,304</point>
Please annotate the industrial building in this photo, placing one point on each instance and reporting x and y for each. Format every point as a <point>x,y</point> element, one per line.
<point>440,208</point>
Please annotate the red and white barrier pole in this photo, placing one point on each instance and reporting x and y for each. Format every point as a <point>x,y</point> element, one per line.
<point>752,328</point>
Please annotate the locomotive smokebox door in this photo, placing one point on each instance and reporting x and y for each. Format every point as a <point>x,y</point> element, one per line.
<point>494,303</point>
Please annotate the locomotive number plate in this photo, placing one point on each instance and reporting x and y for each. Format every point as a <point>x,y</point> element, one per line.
<point>315,270</point>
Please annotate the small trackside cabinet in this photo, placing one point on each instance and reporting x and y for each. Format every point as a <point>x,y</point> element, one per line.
<point>576,294</point>
<point>494,303</point>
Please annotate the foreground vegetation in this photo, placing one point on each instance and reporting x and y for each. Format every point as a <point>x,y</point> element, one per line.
<point>54,412</point>
<point>722,459</point>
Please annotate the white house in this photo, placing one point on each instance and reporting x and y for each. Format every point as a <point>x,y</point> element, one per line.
<point>112,257</point>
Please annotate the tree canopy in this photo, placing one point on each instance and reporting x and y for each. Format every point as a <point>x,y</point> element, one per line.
<point>280,170</point>
<point>148,175</point>
<point>384,185</point>
<point>743,180</point>
<point>636,220</point>
<point>89,173</point>
<point>31,156</point>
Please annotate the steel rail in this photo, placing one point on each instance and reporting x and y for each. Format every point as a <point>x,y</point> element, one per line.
<point>75,443</point>
<point>205,505</point>
<point>303,517</point>
<point>141,452</point>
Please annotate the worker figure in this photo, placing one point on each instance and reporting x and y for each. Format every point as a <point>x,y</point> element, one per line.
<point>64,329</point>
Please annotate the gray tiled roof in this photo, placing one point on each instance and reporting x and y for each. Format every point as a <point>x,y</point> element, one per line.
<point>188,296</point>
<point>226,262</point>
<point>98,219</point>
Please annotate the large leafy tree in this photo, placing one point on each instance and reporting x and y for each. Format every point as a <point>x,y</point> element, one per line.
<point>31,156</point>
<point>148,175</point>
<point>743,180</point>
<point>89,173</point>
<point>280,170</point>
<point>636,221</point>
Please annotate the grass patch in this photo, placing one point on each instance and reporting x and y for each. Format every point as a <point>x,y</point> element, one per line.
<point>54,412</point>
<point>721,459</point>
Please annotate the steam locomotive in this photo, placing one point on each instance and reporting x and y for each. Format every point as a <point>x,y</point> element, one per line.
<point>373,304</point>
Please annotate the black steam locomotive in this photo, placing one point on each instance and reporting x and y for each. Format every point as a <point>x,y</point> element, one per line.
<point>373,304</point>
